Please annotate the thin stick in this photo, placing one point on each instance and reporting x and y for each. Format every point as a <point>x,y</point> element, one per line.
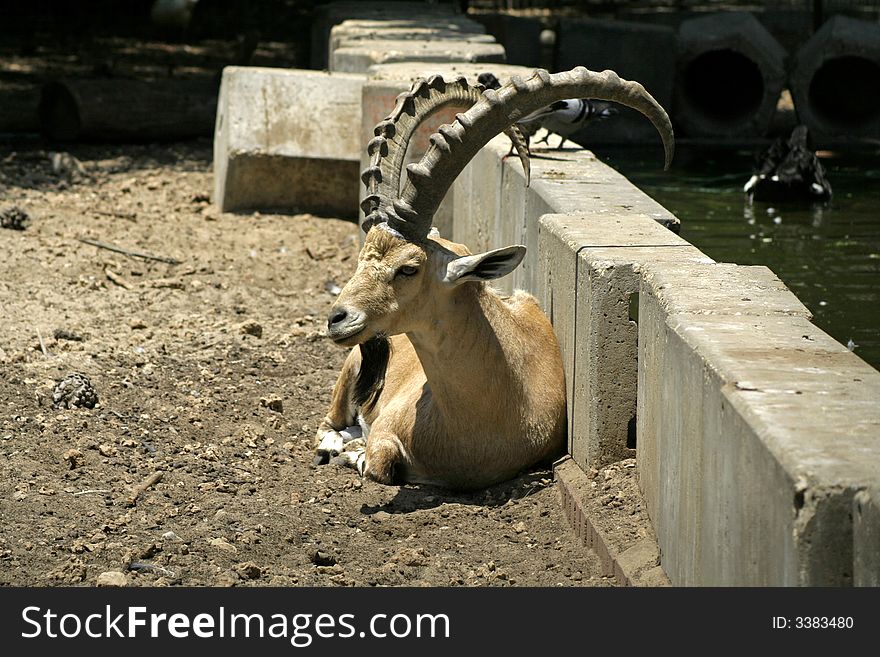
<point>134,254</point>
<point>42,344</point>
<point>116,278</point>
<point>139,490</point>
<point>131,216</point>
<point>93,490</point>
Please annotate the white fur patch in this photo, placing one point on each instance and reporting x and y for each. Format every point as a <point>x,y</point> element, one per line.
<point>331,443</point>
<point>355,458</point>
<point>364,425</point>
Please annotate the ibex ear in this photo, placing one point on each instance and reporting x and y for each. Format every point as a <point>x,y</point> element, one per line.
<point>484,266</point>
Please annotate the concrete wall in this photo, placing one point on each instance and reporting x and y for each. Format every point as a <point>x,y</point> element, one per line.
<point>754,430</point>
<point>757,436</point>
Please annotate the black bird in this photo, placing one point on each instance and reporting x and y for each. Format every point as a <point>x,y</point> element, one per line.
<point>789,170</point>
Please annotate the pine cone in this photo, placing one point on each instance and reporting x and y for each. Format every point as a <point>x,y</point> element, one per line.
<point>14,218</point>
<point>74,391</point>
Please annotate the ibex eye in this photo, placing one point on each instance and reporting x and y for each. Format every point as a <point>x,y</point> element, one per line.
<point>407,270</point>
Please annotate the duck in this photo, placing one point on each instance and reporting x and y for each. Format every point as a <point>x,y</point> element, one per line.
<point>789,170</point>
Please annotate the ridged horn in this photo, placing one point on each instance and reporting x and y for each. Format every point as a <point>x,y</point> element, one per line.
<point>430,179</point>
<point>388,147</point>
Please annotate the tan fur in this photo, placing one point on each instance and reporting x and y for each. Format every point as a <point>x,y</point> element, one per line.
<point>474,390</point>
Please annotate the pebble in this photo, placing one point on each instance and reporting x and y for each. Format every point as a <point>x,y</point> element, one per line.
<point>107,450</point>
<point>222,544</point>
<point>381,516</point>
<point>321,558</point>
<point>273,403</point>
<point>252,328</point>
<point>73,457</point>
<point>248,570</point>
<point>112,578</point>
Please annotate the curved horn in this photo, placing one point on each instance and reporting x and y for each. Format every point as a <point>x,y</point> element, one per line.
<point>453,146</point>
<point>388,147</point>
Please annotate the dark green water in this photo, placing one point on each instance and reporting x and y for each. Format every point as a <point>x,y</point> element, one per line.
<point>828,255</point>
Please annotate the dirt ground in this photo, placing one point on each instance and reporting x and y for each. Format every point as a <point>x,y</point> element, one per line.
<point>214,372</point>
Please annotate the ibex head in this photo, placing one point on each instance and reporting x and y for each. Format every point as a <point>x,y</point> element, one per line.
<point>406,273</point>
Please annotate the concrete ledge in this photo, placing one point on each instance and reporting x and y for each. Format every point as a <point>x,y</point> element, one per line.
<point>351,32</point>
<point>590,268</point>
<point>287,139</point>
<point>638,565</point>
<point>740,490</point>
<point>359,57</point>
<point>570,181</point>
<point>399,13</point>
<point>866,538</point>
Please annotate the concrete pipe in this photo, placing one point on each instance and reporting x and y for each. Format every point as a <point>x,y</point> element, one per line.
<point>835,81</point>
<point>729,76</point>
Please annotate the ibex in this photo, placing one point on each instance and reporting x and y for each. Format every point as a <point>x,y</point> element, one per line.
<point>453,384</point>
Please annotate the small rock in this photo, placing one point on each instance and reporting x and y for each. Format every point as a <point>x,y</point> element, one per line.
<point>519,527</point>
<point>64,334</point>
<point>67,166</point>
<point>252,328</point>
<point>107,450</point>
<point>137,323</point>
<point>171,536</point>
<point>335,569</point>
<point>381,516</point>
<point>73,457</point>
<point>248,570</point>
<point>321,558</point>
<point>273,404</point>
<point>227,578</point>
<point>222,544</point>
<point>112,578</point>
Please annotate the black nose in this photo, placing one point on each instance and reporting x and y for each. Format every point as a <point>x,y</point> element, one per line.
<point>337,316</point>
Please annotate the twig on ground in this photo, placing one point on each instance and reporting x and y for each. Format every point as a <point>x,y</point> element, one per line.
<point>42,343</point>
<point>131,216</point>
<point>133,254</point>
<point>116,278</point>
<point>139,490</point>
<point>93,490</point>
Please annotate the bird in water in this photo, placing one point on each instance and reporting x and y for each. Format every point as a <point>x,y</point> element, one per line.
<point>562,118</point>
<point>789,170</point>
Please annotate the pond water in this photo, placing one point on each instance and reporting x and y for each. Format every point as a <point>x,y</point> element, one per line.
<point>828,255</point>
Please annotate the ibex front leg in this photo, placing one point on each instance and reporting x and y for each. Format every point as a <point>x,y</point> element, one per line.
<point>340,425</point>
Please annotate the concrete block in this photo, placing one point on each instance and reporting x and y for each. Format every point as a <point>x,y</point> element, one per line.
<point>574,179</point>
<point>477,198</point>
<point>755,432</point>
<point>351,32</point>
<point>621,47</point>
<point>358,58</point>
<point>866,538</point>
<point>288,139</point>
<point>589,268</point>
<point>835,81</point>
<point>520,36</point>
<point>400,13</point>
<point>730,74</point>
<point>380,92</point>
